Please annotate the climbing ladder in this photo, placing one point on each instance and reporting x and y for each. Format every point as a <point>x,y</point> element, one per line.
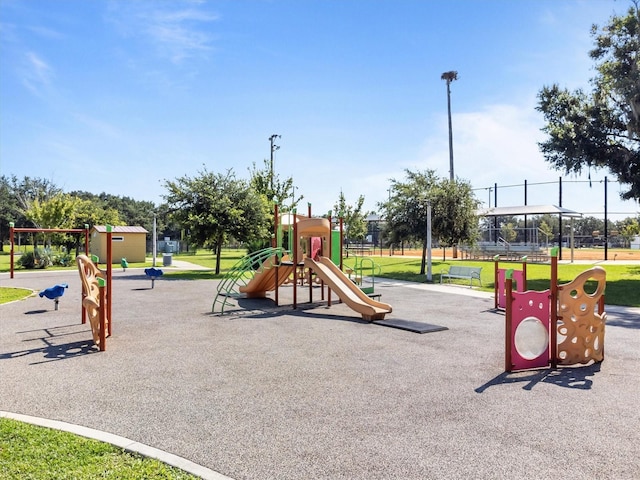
<point>242,272</point>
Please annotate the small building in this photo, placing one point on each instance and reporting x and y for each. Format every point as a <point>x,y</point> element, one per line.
<point>126,242</point>
<point>635,243</point>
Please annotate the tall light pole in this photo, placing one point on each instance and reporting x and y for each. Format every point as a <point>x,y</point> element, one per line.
<point>450,77</point>
<point>274,147</point>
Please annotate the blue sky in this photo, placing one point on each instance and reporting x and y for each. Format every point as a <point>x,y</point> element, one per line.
<point>119,95</point>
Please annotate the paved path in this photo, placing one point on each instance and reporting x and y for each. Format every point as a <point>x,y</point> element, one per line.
<point>316,393</point>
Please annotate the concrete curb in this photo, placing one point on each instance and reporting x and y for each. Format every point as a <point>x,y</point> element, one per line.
<point>121,442</point>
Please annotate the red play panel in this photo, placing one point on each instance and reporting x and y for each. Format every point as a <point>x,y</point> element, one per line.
<point>530,326</point>
<point>518,282</point>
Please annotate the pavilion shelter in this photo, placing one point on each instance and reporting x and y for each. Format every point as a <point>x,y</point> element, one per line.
<point>526,210</point>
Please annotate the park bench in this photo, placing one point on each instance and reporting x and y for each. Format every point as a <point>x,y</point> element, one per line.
<point>466,273</point>
<point>359,250</point>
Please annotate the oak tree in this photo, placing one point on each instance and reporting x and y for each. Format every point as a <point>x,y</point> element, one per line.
<point>601,128</point>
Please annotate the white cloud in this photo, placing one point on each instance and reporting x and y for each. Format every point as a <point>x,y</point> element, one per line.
<point>495,144</point>
<point>176,30</point>
<point>45,32</point>
<point>499,145</point>
<point>37,74</point>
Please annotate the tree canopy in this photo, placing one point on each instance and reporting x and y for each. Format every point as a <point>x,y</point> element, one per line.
<point>453,207</point>
<point>600,129</point>
<point>268,183</point>
<point>353,217</point>
<point>214,207</point>
<point>118,210</point>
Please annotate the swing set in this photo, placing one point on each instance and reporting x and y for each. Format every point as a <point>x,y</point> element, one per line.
<point>96,284</point>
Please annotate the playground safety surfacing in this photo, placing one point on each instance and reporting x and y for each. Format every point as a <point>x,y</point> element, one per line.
<point>319,393</point>
<point>265,307</point>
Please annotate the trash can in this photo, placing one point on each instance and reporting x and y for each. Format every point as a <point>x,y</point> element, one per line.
<point>166,259</point>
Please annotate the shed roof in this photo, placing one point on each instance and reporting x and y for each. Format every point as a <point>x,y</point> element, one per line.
<point>120,229</point>
<point>527,210</point>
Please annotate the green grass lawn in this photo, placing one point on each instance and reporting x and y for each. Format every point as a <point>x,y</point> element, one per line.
<point>9,294</point>
<point>33,452</point>
<point>623,281</point>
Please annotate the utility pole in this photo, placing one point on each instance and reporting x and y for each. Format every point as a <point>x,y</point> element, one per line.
<point>274,147</point>
<point>450,77</point>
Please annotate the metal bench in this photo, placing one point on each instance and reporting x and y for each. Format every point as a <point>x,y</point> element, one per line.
<point>467,273</point>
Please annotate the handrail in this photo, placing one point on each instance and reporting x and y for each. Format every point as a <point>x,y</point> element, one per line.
<point>359,271</point>
<point>503,242</point>
<point>238,274</point>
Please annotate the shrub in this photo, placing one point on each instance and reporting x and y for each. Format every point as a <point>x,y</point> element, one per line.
<point>61,259</point>
<point>36,259</point>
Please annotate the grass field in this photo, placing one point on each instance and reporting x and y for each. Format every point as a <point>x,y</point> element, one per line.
<point>68,456</point>
<point>623,281</point>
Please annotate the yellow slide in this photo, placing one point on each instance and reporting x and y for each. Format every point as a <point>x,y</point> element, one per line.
<point>346,290</point>
<point>264,279</point>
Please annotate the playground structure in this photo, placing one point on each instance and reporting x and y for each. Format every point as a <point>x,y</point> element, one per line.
<point>363,273</point>
<point>96,293</point>
<point>94,301</point>
<point>13,230</point>
<point>314,256</point>
<point>519,277</point>
<point>346,290</point>
<point>563,325</point>
<point>153,273</point>
<point>96,284</point>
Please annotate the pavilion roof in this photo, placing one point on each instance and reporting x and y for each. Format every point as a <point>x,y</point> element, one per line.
<point>527,210</point>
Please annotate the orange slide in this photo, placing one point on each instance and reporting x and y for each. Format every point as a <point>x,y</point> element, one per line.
<point>346,290</point>
<point>264,279</point>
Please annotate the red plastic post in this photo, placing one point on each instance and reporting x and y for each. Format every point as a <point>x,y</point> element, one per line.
<point>508,316</point>
<point>277,267</point>
<point>109,277</point>
<point>496,281</point>
<point>102,312</point>
<point>341,240</point>
<point>274,244</point>
<point>296,240</point>
<point>553,350</point>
